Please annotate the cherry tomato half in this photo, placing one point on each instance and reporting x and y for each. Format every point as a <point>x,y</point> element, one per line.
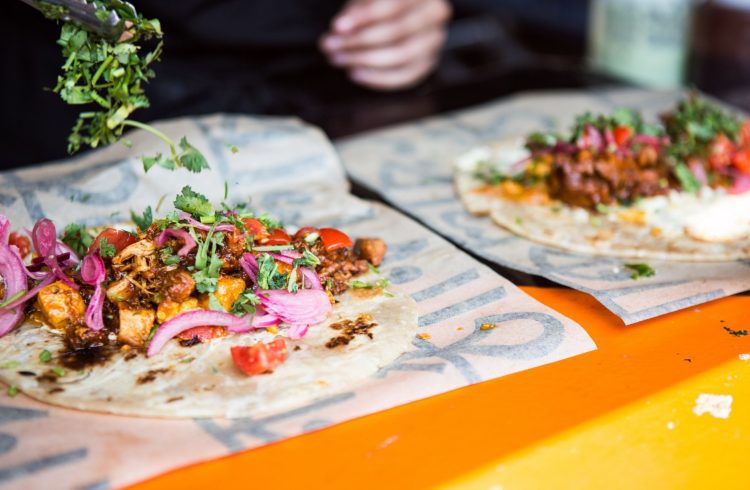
<point>304,231</point>
<point>622,135</point>
<point>256,228</point>
<point>741,160</point>
<point>720,151</point>
<point>259,358</point>
<point>22,243</point>
<point>117,238</point>
<point>277,237</point>
<point>334,239</point>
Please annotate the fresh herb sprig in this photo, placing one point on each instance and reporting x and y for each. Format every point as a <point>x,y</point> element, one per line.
<point>108,78</point>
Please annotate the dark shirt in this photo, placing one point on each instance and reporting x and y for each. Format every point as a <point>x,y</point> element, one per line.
<point>219,56</point>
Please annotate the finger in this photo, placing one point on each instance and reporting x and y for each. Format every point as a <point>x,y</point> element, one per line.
<point>364,12</point>
<point>424,16</point>
<point>393,78</point>
<point>422,45</point>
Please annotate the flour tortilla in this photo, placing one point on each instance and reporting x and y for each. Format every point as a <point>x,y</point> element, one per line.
<point>576,229</point>
<point>202,380</point>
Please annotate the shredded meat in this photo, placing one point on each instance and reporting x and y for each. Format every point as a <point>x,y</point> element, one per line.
<point>585,180</point>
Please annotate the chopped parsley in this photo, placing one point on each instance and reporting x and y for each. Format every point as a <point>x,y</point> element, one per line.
<point>688,181</point>
<point>45,356</point>
<point>144,220</point>
<point>10,365</point>
<point>194,203</point>
<point>640,270</point>
<point>78,238</point>
<point>107,77</point>
<point>12,391</point>
<point>58,371</point>
<point>245,304</point>
<point>106,249</point>
<point>380,283</point>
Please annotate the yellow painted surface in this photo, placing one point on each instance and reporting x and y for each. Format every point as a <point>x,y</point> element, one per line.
<point>656,442</point>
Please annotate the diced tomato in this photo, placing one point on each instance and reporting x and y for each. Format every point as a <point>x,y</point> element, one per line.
<point>21,242</point>
<point>334,239</point>
<point>741,160</point>
<point>720,151</point>
<point>622,134</point>
<point>203,333</point>
<point>261,357</point>
<point>117,238</point>
<point>745,134</point>
<point>256,228</point>
<point>304,231</point>
<point>277,237</point>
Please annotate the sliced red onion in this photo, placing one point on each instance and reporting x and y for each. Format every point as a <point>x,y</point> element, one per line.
<point>49,279</point>
<point>591,138</point>
<point>567,148</point>
<point>609,139</point>
<point>291,253</point>
<point>12,272</point>
<point>741,183</point>
<point>201,226</point>
<point>696,167</point>
<point>4,229</point>
<point>196,318</point>
<point>311,277</point>
<point>249,264</point>
<point>71,259</point>
<point>261,320</point>
<point>646,139</point>
<point>44,237</point>
<point>299,310</point>
<point>94,273</point>
<point>282,258</point>
<point>187,240</point>
<point>54,266</point>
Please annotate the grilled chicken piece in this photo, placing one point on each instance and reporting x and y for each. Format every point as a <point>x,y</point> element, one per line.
<point>371,249</point>
<point>61,305</point>
<point>178,286</point>
<point>120,290</point>
<point>135,325</point>
<point>228,290</point>
<point>142,248</point>
<point>168,309</point>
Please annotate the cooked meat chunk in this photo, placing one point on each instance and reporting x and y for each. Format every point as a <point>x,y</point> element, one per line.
<point>61,305</point>
<point>168,309</point>
<point>228,290</point>
<point>178,285</point>
<point>142,248</point>
<point>120,290</point>
<point>371,249</point>
<point>135,325</point>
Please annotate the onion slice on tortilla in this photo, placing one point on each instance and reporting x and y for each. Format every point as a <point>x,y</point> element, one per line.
<point>196,318</point>
<point>14,276</point>
<point>187,240</point>
<point>94,273</point>
<point>299,310</point>
<point>249,264</point>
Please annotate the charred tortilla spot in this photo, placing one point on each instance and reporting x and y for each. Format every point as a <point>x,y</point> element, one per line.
<point>150,375</point>
<point>190,342</point>
<point>56,389</point>
<point>349,329</point>
<point>175,399</point>
<point>27,373</point>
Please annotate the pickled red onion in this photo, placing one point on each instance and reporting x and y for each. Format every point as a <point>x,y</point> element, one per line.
<point>187,240</point>
<point>12,272</point>
<point>94,273</point>
<point>197,224</point>
<point>196,318</point>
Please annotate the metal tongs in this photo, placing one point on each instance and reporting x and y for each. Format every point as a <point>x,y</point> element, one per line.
<point>100,20</point>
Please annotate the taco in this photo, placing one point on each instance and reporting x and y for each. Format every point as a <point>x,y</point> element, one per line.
<point>678,190</point>
<point>203,313</point>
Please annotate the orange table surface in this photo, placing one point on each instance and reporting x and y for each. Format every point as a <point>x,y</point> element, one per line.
<point>440,439</point>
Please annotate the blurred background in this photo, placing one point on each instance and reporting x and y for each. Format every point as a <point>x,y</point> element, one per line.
<point>494,48</point>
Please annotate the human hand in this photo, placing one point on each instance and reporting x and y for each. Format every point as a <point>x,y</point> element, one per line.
<point>387,44</point>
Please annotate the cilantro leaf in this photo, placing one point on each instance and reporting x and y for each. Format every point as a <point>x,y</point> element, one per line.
<point>269,276</point>
<point>78,238</point>
<point>640,270</point>
<point>245,304</point>
<point>194,203</point>
<point>143,221</point>
<point>191,158</point>
<point>687,179</point>
<point>106,249</point>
